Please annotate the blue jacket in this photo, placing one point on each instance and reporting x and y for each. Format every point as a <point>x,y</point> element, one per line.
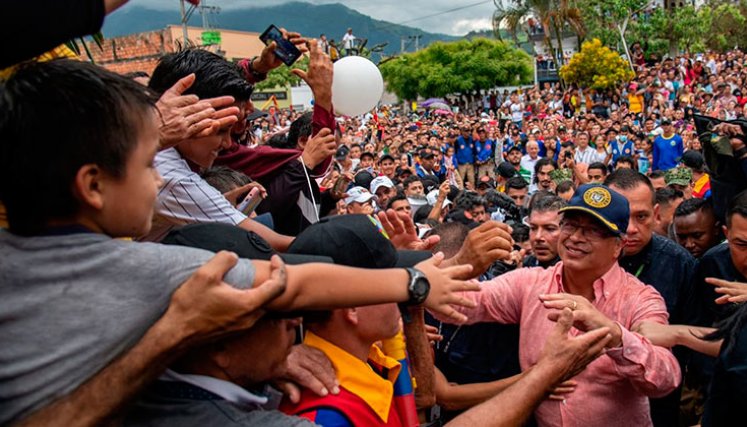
<point>484,150</point>
<point>465,150</point>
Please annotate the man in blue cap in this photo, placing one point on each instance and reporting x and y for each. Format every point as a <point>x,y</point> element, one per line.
<point>613,389</point>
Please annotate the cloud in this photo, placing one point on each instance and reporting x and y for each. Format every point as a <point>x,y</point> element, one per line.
<point>457,22</point>
<point>464,26</point>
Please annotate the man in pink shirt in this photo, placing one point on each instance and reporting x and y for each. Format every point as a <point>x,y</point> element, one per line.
<point>612,390</point>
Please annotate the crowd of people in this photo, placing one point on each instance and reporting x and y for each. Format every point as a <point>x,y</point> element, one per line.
<point>548,256</point>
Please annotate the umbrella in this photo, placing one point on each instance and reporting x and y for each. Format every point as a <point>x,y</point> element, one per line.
<point>439,106</point>
<point>443,112</point>
<point>429,101</point>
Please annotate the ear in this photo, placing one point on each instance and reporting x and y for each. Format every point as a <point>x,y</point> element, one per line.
<point>88,186</point>
<point>657,211</point>
<point>302,142</point>
<point>725,230</point>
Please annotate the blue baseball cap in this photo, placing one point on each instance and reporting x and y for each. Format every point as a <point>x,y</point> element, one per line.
<point>606,205</point>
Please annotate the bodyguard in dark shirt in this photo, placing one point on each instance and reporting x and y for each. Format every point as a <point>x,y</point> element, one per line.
<point>656,261</point>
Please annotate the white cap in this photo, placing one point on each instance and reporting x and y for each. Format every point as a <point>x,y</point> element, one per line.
<point>358,194</point>
<point>381,181</point>
<point>432,198</point>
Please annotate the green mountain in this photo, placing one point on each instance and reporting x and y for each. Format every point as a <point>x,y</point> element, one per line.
<point>309,19</point>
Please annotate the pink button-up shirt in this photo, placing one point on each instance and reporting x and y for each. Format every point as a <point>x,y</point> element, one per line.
<point>613,390</point>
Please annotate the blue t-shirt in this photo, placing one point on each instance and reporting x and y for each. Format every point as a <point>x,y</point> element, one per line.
<point>465,150</point>
<point>667,152</point>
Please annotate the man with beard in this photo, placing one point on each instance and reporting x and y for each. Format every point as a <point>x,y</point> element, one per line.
<point>542,179</point>
<point>514,158</point>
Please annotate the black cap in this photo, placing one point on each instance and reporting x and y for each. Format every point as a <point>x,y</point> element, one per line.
<point>694,160</point>
<point>255,115</point>
<point>665,122</point>
<point>342,152</point>
<point>514,148</point>
<point>506,170</point>
<point>355,241</point>
<point>426,155</point>
<point>363,179</point>
<point>625,129</point>
<point>386,156</point>
<point>430,183</point>
<point>367,154</point>
<point>216,237</point>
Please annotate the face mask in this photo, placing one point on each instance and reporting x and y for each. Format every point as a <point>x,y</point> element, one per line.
<point>622,138</point>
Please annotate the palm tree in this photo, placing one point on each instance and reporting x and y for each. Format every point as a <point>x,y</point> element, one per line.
<point>553,15</point>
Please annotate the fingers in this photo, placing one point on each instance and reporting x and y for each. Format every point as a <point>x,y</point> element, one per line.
<point>312,369</point>
<point>301,74</point>
<point>430,242</point>
<point>289,389</point>
<point>221,102</point>
<point>181,85</point>
<point>719,282</point>
<point>217,266</point>
<point>564,321</point>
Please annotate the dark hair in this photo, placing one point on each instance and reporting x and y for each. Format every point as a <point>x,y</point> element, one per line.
<point>656,174</point>
<point>665,196</point>
<point>690,206</point>
<point>397,198</point>
<point>516,182</point>
<point>279,140</point>
<point>629,179</point>
<point>452,236</point>
<point>214,75</point>
<point>546,202</point>
<point>300,128</point>
<point>737,206</point>
<point>564,186</point>
<point>58,116</point>
<point>598,165</point>
<point>136,74</point>
<point>629,160</point>
<point>422,214</point>
<point>520,233</point>
<point>469,200</point>
<point>224,179</point>
<point>410,179</point>
<point>541,163</point>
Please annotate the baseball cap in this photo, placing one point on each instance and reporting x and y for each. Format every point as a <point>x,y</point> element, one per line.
<point>426,155</point>
<point>693,159</point>
<point>356,241</point>
<point>678,176</point>
<point>505,169</point>
<point>514,148</point>
<point>386,156</point>
<point>665,122</point>
<point>255,115</point>
<point>430,182</point>
<point>359,195</point>
<point>342,152</point>
<point>367,154</point>
<point>381,181</point>
<point>606,205</point>
<point>486,181</point>
<point>216,237</point>
<point>363,178</point>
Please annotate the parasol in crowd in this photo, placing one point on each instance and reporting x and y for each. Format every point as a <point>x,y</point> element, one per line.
<point>427,103</point>
<point>443,112</point>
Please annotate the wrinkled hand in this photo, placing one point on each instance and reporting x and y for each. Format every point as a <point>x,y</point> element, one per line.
<point>318,148</point>
<point>560,391</point>
<point>233,195</point>
<point>318,76</point>
<point>734,292</point>
<point>485,244</point>
<point>310,368</point>
<point>446,289</point>
<point>585,316</point>
<point>571,355</point>
<point>402,232</point>
<point>657,333</point>
<point>186,116</point>
<point>443,190</point>
<point>268,61</point>
<point>205,307</point>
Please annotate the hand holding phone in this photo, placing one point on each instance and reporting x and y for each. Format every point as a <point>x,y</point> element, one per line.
<point>250,202</point>
<point>284,50</point>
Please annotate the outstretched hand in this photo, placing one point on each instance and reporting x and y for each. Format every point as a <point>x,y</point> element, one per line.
<point>734,292</point>
<point>446,288</point>
<point>318,76</point>
<point>489,242</point>
<point>403,233</point>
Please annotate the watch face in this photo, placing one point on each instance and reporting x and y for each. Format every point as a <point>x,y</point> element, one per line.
<point>420,288</point>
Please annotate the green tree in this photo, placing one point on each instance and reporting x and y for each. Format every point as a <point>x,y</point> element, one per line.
<point>596,66</point>
<point>462,66</point>
<point>282,77</point>
<point>554,16</point>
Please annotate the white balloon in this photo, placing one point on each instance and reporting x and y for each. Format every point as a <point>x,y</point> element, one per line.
<point>357,86</point>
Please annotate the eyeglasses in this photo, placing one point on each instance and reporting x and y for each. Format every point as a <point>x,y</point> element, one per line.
<point>589,232</point>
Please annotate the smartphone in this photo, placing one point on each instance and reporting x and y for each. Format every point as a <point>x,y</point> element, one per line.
<point>285,50</point>
<point>250,202</point>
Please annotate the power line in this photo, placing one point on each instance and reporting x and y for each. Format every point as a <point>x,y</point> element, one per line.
<point>445,12</point>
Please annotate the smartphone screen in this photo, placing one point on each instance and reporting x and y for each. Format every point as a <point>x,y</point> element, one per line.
<point>285,51</point>
<point>250,202</point>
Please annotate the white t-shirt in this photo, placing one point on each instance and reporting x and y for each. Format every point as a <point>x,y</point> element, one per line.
<point>347,40</point>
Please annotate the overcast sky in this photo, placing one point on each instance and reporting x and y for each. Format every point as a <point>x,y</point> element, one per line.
<point>458,22</point>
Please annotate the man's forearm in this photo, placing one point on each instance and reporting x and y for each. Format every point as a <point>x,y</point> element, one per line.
<point>102,396</point>
<point>420,357</point>
<point>514,405</point>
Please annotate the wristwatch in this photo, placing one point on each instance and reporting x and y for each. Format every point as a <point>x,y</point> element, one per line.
<point>418,288</point>
<point>256,75</point>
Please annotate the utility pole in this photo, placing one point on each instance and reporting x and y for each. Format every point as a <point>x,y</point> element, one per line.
<point>184,24</point>
<point>417,42</point>
<point>401,44</point>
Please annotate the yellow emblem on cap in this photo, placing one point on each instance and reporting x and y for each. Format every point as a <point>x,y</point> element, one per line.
<point>597,197</point>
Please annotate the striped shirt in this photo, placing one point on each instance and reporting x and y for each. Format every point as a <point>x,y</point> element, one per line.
<point>587,156</point>
<point>186,198</point>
